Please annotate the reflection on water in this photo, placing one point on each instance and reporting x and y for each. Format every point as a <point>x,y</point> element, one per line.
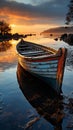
<point>8,56</point>
<point>4,45</point>
<point>41,97</point>
<point>51,107</point>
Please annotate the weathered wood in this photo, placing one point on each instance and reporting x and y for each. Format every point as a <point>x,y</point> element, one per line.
<point>44,62</point>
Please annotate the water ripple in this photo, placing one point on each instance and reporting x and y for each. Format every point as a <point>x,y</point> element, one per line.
<point>1,103</point>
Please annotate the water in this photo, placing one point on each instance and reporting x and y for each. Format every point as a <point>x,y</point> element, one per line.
<point>25,102</point>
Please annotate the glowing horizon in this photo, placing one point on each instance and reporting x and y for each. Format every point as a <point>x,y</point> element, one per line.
<point>21,29</point>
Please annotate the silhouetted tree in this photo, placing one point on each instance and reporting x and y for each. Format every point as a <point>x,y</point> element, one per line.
<point>4,28</point>
<point>69,16</point>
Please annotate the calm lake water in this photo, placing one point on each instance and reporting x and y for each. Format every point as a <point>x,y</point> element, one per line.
<point>25,102</point>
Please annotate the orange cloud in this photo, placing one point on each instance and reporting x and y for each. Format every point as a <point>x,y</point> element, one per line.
<point>40,16</point>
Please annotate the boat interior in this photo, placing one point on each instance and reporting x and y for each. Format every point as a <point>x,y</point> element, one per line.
<point>33,50</point>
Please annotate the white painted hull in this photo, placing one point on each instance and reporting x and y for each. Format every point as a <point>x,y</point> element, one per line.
<point>49,68</point>
<point>44,72</point>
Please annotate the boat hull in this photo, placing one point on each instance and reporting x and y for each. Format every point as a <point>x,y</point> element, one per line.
<point>50,70</point>
<point>43,62</point>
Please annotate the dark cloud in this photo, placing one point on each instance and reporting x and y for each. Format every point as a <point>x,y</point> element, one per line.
<point>52,10</point>
<point>37,2</point>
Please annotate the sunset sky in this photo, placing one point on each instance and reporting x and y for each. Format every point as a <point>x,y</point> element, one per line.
<point>31,16</point>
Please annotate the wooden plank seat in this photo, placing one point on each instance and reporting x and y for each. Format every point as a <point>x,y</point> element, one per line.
<point>31,52</point>
<point>35,53</point>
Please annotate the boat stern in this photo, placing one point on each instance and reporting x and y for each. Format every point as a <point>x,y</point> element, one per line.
<point>61,67</point>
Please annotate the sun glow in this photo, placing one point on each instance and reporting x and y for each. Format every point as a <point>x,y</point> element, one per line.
<point>13,25</point>
<point>24,29</point>
<point>13,28</point>
<point>13,42</point>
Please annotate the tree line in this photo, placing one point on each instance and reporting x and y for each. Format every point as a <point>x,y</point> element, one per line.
<point>4,28</point>
<point>5,32</point>
<point>69,15</point>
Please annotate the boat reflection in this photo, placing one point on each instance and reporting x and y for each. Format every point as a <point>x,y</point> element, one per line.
<point>42,98</point>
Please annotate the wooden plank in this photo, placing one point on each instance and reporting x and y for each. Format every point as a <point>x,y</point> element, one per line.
<point>46,69</point>
<point>30,52</point>
<point>43,63</point>
<point>45,75</point>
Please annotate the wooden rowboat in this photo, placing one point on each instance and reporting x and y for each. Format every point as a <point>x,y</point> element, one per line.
<point>43,62</point>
